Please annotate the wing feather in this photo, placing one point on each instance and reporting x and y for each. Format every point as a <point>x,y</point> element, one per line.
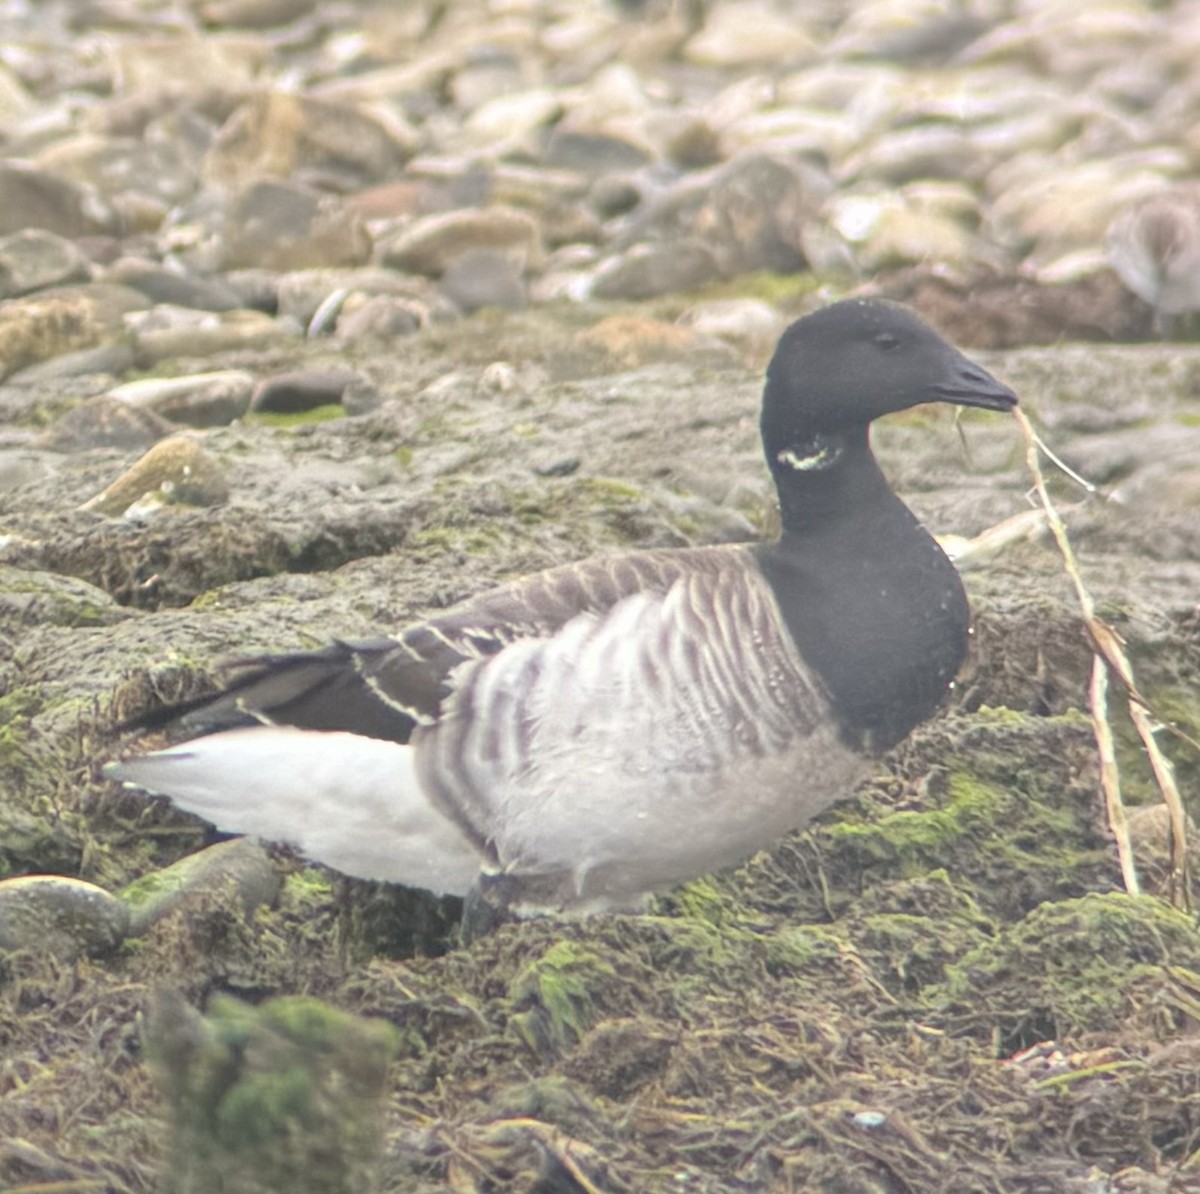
<point>641,744</point>
<point>384,687</point>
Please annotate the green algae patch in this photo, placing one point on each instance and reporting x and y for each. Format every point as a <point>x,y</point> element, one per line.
<point>1088,965</point>
<point>38,832</point>
<point>286,1095</point>
<point>311,883</point>
<point>915,951</point>
<point>610,492</point>
<point>706,900</point>
<point>1004,797</point>
<point>912,840</point>
<point>799,950</point>
<point>301,418</point>
<point>477,540</point>
<point>16,709</point>
<point>693,947</point>
<point>554,997</point>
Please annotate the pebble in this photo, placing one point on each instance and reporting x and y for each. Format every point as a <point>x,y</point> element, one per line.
<point>740,35</point>
<point>510,124</point>
<point>480,278</point>
<point>749,213</point>
<point>749,325</point>
<point>360,397</point>
<point>197,400</point>
<point>176,287</point>
<point>285,226</point>
<point>594,153</point>
<point>688,138</point>
<point>614,196</point>
<point>15,100</point>
<point>176,471</point>
<point>1154,246</point>
<point>380,315</point>
<point>1066,205</point>
<point>499,378</point>
<point>648,270</point>
<point>211,335</point>
<point>34,259</point>
<point>105,422</point>
<point>429,245</point>
<point>925,151</point>
<point>290,393</point>
<point>564,219</point>
<point>255,14</point>
<point>236,872</point>
<point>255,289</point>
<point>53,914</point>
<point>488,73</point>
<point>64,319</point>
<point>509,154</point>
<point>112,359</point>
<point>324,318</point>
<point>892,228</point>
<point>280,134</point>
<point>51,599</point>
<point>38,198</point>
<point>209,74</point>
<point>319,295</point>
<point>157,170</point>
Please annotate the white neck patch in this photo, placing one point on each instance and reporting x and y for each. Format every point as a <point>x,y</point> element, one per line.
<point>810,462</point>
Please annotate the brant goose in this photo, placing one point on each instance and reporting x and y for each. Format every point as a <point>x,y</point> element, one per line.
<point>583,736</point>
<point>1154,247</point>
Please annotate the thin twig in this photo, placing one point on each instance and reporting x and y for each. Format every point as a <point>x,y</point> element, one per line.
<point>1060,463</point>
<point>1110,776</point>
<point>559,1145</point>
<point>1110,655</point>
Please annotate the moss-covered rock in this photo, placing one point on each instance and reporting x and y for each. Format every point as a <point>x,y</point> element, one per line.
<point>1004,797</point>
<point>284,1096</point>
<point>1083,966</point>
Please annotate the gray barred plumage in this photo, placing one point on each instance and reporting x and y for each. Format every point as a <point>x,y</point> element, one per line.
<point>618,710</point>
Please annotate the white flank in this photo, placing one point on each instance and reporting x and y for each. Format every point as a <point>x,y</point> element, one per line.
<point>351,802</point>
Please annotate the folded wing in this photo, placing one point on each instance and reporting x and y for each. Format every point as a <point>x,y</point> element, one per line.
<point>676,732</point>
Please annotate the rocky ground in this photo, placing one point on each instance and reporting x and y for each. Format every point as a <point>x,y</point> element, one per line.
<point>319,317</point>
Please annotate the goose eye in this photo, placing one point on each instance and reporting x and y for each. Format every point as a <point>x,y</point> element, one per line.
<point>886,341</point>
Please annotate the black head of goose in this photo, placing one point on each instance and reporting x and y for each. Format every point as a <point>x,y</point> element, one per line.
<point>589,734</point>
